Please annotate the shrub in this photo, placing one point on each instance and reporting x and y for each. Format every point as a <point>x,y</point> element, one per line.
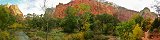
<point>6,35</point>
<point>57,34</point>
<point>88,35</point>
<point>137,32</point>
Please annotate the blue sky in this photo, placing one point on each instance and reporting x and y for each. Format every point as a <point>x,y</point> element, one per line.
<point>9,1</point>
<point>34,6</point>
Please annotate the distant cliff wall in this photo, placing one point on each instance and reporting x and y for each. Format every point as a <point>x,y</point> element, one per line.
<point>96,7</point>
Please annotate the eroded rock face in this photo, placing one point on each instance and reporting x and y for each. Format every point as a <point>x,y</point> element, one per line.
<point>96,7</point>
<point>121,13</point>
<point>124,14</point>
<point>15,10</point>
<point>146,14</point>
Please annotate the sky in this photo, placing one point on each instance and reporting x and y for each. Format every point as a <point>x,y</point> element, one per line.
<point>136,5</point>
<point>34,6</point>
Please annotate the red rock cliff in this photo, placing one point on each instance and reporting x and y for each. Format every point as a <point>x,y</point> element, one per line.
<point>96,7</point>
<point>15,10</point>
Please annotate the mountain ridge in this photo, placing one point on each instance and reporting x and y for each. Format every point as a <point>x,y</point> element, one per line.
<point>123,14</point>
<point>96,7</point>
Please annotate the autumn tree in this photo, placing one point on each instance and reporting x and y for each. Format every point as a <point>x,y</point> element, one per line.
<point>132,29</point>
<point>137,32</point>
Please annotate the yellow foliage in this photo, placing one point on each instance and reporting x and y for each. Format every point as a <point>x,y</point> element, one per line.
<point>79,36</point>
<point>75,36</point>
<point>86,26</point>
<point>16,25</point>
<point>67,37</point>
<point>4,35</point>
<point>137,32</point>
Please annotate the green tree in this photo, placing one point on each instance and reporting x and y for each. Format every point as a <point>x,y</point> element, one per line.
<point>6,19</point>
<point>42,23</point>
<point>86,21</point>
<point>124,29</point>
<point>106,23</point>
<point>156,24</point>
<point>147,24</point>
<point>138,19</point>
<point>130,30</point>
<point>70,22</point>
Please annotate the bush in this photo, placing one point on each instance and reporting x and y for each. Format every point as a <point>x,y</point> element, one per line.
<point>78,36</point>
<point>57,34</point>
<point>88,35</point>
<point>137,32</point>
<point>5,35</point>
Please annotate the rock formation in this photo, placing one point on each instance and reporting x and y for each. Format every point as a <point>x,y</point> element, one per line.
<point>124,14</point>
<point>15,10</point>
<point>96,7</point>
<point>121,13</point>
<point>145,13</point>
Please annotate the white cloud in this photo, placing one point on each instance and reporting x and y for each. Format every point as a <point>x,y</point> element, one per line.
<point>34,6</point>
<point>136,5</point>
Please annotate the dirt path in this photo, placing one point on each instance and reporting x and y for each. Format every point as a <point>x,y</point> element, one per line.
<point>22,36</point>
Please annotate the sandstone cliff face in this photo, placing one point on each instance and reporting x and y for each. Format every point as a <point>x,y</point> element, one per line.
<point>96,7</point>
<point>121,13</point>
<point>145,13</point>
<point>124,14</point>
<point>15,10</point>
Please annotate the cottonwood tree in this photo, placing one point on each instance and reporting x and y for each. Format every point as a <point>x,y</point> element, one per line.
<point>41,21</point>
<point>106,23</point>
<point>70,22</point>
<point>44,9</point>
